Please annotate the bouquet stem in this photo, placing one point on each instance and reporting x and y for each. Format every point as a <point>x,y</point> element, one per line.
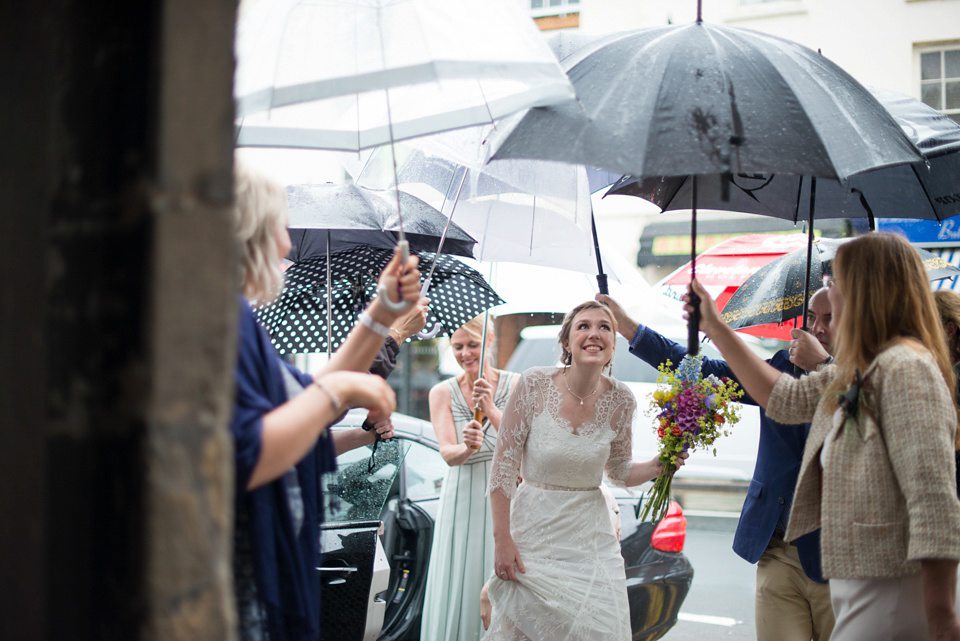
<point>658,501</point>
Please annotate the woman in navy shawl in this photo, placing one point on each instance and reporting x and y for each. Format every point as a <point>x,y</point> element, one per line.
<point>279,425</point>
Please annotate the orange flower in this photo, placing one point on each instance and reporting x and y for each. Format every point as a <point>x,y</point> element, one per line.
<point>719,418</point>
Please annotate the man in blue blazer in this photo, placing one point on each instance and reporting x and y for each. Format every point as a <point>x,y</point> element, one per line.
<point>792,597</point>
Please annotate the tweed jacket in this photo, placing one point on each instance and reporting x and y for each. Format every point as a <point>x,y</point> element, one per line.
<point>886,498</point>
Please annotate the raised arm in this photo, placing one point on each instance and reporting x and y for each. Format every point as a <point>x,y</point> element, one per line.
<point>755,375</point>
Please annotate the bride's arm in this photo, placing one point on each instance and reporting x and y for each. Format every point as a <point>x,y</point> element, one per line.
<point>511,439</point>
<point>621,469</point>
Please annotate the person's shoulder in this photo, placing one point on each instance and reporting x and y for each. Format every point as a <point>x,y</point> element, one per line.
<point>621,389</point>
<point>441,390</point>
<point>902,351</point>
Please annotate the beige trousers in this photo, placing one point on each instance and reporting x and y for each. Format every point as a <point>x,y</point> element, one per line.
<point>790,606</point>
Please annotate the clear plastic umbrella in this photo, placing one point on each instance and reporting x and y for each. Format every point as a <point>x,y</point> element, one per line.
<point>341,74</point>
<point>535,212</point>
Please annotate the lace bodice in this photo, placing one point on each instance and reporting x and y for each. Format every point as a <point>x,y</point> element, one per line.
<point>533,435</point>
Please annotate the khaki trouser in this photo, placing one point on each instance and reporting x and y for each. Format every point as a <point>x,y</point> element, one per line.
<point>790,606</point>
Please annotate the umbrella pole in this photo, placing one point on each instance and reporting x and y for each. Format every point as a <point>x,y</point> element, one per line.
<point>806,280</point>
<point>424,335</point>
<point>329,302</point>
<point>601,277</point>
<point>693,324</point>
<point>477,412</point>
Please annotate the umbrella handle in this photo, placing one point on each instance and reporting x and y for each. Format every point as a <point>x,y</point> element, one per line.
<point>401,305</point>
<point>693,325</point>
<point>431,334</point>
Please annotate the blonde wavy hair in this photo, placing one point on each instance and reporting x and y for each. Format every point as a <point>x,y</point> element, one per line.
<point>886,298</point>
<point>567,326</point>
<point>260,209</point>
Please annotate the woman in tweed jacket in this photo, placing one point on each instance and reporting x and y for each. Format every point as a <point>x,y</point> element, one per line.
<point>878,468</point>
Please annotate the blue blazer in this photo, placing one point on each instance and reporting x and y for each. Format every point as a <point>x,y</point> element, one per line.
<point>770,493</point>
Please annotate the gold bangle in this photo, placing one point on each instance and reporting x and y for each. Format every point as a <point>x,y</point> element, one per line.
<point>337,405</point>
<point>397,337</point>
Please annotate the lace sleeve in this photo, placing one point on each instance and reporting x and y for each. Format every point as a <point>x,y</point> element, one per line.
<point>620,461</point>
<point>511,438</point>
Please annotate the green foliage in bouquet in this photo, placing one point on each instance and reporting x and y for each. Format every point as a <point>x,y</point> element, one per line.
<point>691,412</point>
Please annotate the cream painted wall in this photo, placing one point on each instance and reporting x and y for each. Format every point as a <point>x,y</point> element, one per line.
<point>876,41</point>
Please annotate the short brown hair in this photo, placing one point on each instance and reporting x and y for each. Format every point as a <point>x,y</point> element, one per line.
<point>566,357</point>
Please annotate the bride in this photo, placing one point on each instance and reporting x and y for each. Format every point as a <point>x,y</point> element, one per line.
<point>558,573</point>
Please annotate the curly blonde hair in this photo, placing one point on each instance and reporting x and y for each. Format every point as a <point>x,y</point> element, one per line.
<point>260,209</point>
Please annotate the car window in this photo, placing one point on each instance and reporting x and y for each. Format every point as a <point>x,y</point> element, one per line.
<point>425,472</point>
<point>361,484</point>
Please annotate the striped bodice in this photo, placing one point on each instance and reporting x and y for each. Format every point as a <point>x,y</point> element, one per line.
<point>463,414</point>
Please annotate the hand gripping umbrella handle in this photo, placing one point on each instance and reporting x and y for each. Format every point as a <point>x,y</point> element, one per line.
<point>400,305</point>
<point>423,335</point>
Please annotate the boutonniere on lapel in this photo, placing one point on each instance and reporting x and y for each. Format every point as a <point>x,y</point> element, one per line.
<point>854,405</point>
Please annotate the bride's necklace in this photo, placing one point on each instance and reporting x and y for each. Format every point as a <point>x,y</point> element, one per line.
<point>577,397</point>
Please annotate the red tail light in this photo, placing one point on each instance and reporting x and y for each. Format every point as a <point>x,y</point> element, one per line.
<point>671,532</point>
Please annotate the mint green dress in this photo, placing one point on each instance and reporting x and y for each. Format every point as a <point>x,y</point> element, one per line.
<point>461,555</point>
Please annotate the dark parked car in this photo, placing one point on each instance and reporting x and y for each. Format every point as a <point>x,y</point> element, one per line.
<point>379,524</point>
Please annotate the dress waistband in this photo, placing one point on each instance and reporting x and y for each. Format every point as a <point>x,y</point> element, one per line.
<point>564,488</point>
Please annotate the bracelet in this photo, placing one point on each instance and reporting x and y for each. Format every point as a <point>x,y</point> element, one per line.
<point>337,405</point>
<point>376,327</point>
<point>397,337</point>
<point>827,360</point>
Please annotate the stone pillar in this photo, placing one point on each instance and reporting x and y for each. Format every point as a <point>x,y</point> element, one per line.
<point>117,308</point>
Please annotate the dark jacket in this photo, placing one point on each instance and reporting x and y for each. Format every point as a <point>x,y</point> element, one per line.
<point>770,493</point>
<point>283,559</point>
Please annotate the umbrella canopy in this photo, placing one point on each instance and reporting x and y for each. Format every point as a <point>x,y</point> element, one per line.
<point>350,215</point>
<point>297,320</point>
<point>705,99</point>
<point>536,212</point>
<point>352,74</point>
<point>723,268</point>
<point>775,292</point>
<point>927,189</point>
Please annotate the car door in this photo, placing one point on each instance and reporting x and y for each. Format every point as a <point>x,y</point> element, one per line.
<point>354,571</point>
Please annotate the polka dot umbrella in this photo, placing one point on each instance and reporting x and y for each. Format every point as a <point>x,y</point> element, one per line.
<point>297,320</point>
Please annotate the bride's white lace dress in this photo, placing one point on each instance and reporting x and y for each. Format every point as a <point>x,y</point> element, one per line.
<point>574,586</point>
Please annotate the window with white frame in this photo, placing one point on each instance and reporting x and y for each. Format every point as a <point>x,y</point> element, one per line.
<point>940,79</point>
<point>553,7</point>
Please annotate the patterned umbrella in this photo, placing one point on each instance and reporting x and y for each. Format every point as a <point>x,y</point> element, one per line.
<point>774,293</point>
<point>297,320</point>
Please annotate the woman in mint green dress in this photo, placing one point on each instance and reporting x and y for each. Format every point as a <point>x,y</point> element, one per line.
<point>461,556</point>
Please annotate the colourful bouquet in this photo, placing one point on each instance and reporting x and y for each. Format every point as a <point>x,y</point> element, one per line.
<point>692,411</point>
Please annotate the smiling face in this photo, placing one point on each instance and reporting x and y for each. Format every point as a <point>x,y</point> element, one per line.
<point>466,349</point>
<point>592,338</point>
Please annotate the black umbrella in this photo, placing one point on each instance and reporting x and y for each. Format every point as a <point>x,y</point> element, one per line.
<point>351,216</point>
<point>927,189</point>
<point>297,320</point>
<point>775,293</point>
<point>702,99</point>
